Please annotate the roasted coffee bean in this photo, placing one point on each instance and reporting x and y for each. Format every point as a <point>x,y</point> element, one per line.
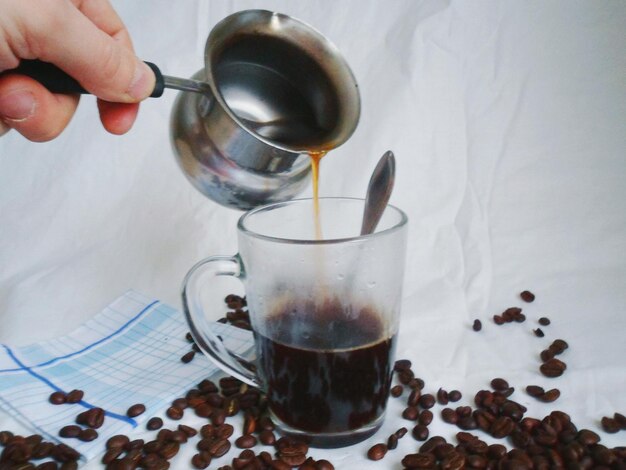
<point>111,454</point>
<point>416,384</point>
<point>539,333</point>
<point>74,396</point>
<point>411,413</point>
<point>42,450</point>
<point>70,431</point>
<point>467,423</point>
<point>484,419</point>
<point>188,357</point>
<point>400,433</point>
<point>289,446</point>
<point>610,425</point>
<point>203,410</point>
<point>188,430</point>
<point>499,384</point>
<point>267,437</point>
<point>377,452</point>
<point>207,386</point>
<point>324,465</point>
<point>527,296</point>
<point>546,355</point>
<point>200,461</point>
<point>219,447</point>
<point>183,403</point>
<point>498,320</point>
<point>427,401</point>
<point>64,453</point>
<point>88,435</point>
<point>218,417</point>
<point>535,390</point>
<point>454,395</point>
<point>57,398</point>
<point>414,397</point>
<point>425,417</point>
<point>93,418</point>
<point>621,419</point>
<point>135,444</point>
<point>454,461</point>
<point>174,413</point>
<point>420,460</point>
<point>477,326</point>
<point>249,424</point>
<point>392,442</point>
<point>502,427</point>
<point>169,450</point>
<point>72,465</point>
<point>553,368</point>
<point>432,444</point>
<point>544,321</point>
<point>510,313</point>
<point>224,431</point>
<point>118,441</point>
<point>246,441</point>
<point>463,411</point>
<point>420,432</point>
<point>396,391</point>
<point>402,364</point>
<point>294,460</point>
<point>152,447</point>
<point>442,397</point>
<point>178,436</point>
<point>154,423</point>
<point>558,346</point>
<point>507,392</point>
<point>406,376</point>
<point>135,410</point>
<point>587,437</point>
<point>449,415</point>
<point>550,395</point>
<point>477,461</point>
<point>207,431</point>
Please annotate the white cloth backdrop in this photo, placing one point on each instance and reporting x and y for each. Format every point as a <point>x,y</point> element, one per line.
<point>508,121</point>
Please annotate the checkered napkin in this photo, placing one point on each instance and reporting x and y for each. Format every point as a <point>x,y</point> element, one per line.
<point>129,353</point>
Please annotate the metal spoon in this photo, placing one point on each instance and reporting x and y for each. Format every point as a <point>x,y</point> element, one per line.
<point>378,192</point>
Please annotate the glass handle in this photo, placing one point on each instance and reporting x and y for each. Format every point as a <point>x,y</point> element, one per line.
<point>200,274</point>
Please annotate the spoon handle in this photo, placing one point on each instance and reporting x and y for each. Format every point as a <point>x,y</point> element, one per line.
<point>378,192</point>
<point>57,81</point>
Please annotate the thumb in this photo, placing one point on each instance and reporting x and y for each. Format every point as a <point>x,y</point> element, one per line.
<point>103,65</point>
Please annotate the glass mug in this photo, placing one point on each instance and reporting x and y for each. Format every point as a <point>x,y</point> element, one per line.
<point>324,313</point>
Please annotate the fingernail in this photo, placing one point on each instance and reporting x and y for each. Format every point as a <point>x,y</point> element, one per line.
<point>143,82</point>
<point>17,106</point>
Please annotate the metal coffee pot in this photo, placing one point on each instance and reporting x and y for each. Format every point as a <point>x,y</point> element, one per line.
<point>276,91</point>
<point>273,89</point>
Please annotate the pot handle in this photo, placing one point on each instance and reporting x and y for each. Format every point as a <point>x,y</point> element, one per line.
<point>200,274</point>
<point>57,81</point>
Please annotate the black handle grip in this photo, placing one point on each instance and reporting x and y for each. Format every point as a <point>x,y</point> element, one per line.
<point>57,81</point>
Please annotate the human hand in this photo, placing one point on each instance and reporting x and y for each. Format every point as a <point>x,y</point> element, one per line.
<point>86,39</point>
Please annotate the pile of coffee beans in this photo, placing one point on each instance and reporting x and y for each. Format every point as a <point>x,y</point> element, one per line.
<point>23,453</point>
<point>551,442</point>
